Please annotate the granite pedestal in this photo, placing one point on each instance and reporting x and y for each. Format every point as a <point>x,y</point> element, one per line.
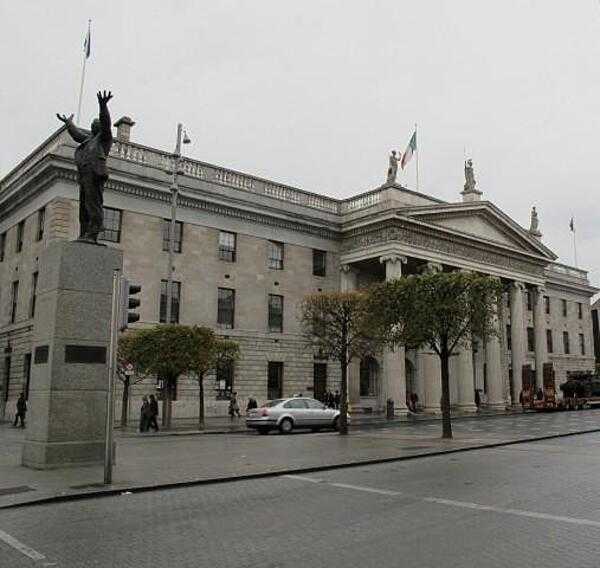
<point>69,376</point>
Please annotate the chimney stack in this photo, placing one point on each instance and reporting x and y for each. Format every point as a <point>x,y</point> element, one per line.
<point>123,126</point>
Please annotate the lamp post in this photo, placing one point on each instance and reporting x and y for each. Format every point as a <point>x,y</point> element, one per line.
<point>181,137</point>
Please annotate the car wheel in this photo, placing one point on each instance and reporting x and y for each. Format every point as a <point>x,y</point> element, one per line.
<point>263,431</point>
<point>336,424</point>
<point>286,426</point>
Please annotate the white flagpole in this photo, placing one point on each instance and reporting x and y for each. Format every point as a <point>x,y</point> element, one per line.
<point>574,242</point>
<point>417,140</point>
<point>83,74</point>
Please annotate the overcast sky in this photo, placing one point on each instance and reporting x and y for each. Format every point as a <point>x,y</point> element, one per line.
<point>316,93</point>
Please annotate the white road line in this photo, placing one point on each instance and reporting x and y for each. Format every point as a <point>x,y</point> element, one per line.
<point>302,478</point>
<point>366,489</point>
<point>22,548</point>
<point>517,512</point>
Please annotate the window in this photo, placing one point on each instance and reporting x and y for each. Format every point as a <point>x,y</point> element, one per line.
<point>174,301</point>
<point>274,380</point>
<point>549,343</point>
<point>227,246</point>
<point>41,222</point>
<point>112,225</point>
<point>529,297</point>
<point>2,246</point>
<point>530,339</point>
<point>579,310</point>
<point>567,348</point>
<point>20,233</point>
<point>508,338</point>
<point>582,343</point>
<point>27,374</point>
<point>275,255</point>
<point>564,308</point>
<point>14,301</point>
<point>319,262</point>
<point>314,404</point>
<point>224,378</point>
<point>275,313</point>
<point>547,304</point>
<point>319,380</point>
<point>34,283</point>
<point>166,230</point>
<point>296,403</point>
<point>226,307</point>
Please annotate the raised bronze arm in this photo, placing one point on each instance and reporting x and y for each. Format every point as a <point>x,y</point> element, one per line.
<point>77,134</point>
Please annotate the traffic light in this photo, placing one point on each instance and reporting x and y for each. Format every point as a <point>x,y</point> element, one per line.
<point>128,303</point>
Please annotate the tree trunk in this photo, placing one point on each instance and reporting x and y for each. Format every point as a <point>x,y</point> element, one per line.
<point>446,420</point>
<point>125,403</point>
<point>201,402</point>
<point>344,397</point>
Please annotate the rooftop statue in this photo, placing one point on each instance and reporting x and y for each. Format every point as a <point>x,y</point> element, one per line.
<point>534,227</point>
<point>393,168</point>
<point>470,182</point>
<point>90,158</point>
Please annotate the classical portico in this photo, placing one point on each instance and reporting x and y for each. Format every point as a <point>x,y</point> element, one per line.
<point>416,233</point>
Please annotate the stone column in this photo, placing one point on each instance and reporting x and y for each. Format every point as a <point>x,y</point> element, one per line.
<point>466,379</point>
<point>517,338</point>
<point>394,369</point>
<point>69,375</point>
<point>430,370</point>
<point>493,362</point>
<point>348,283</point>
<point>539,326</point>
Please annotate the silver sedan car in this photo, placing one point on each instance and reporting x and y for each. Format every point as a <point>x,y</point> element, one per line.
<point>286,414</point>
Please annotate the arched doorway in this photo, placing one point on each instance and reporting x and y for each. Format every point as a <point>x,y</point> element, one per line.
<point>369,377</point>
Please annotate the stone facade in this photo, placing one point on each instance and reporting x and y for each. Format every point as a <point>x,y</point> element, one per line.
<point>383,233</point>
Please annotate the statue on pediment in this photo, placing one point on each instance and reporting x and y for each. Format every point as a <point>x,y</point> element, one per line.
<point>470,182</point>
<point>393,168</point>
<point>534,227</point>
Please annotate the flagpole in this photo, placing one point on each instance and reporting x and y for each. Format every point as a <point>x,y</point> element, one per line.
<point>574,243</point>
<point>417,140</point>
<point>85,58</point>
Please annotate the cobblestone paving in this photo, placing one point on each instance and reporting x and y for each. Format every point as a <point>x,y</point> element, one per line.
<point>534,504</point>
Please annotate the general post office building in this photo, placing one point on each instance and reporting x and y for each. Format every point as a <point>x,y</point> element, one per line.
<point>249,249</point>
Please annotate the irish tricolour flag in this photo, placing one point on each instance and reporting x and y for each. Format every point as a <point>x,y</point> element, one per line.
<point>410,150</point>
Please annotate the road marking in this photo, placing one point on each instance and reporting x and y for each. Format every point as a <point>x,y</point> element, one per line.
<point>22,548</point>
<point>303,478</point>
<point>366,489</point>
<point>517,512</point>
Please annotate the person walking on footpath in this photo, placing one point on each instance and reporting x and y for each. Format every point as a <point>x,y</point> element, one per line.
<point>251,404</point>
<point>337,397</point>
<point>21,411</point>
<point>234,407</point>
<point>153,413</point>
<point>144,414</point>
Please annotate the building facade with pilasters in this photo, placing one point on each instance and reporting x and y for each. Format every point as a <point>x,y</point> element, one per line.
<point>248,249</point>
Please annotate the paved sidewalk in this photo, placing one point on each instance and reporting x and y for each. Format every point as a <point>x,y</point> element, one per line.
<point>149,461</point>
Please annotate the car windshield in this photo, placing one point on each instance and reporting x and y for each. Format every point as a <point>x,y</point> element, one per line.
<point>271,403</point>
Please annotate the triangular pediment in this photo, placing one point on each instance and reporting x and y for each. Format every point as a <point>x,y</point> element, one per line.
<point>482,221</point>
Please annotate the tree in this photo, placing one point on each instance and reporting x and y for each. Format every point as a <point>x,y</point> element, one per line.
<point>442,310</point>
<point>128,382</point>
<point>166,351</point>
<point>336,325</point>
<point>210,351</point>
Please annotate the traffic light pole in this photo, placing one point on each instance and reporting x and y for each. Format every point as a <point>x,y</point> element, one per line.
<point>112,365</point>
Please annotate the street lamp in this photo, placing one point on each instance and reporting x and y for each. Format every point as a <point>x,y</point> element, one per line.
<point>177,160</point>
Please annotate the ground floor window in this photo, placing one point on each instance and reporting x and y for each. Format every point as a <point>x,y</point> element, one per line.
<point>275,380</point>
<point>224,379</point>
<point>319,381</point>
<point>368,377</point>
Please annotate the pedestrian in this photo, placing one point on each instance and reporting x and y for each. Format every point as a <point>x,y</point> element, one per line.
<point>144,414</point>
<point>21,410</point>
<point>251,404</point>
<point>330,400</point>
<point>153,413</point>
<point>477,399</point>
<point>234,407</point>
<point>337,398</point>
<point>415,401</point>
